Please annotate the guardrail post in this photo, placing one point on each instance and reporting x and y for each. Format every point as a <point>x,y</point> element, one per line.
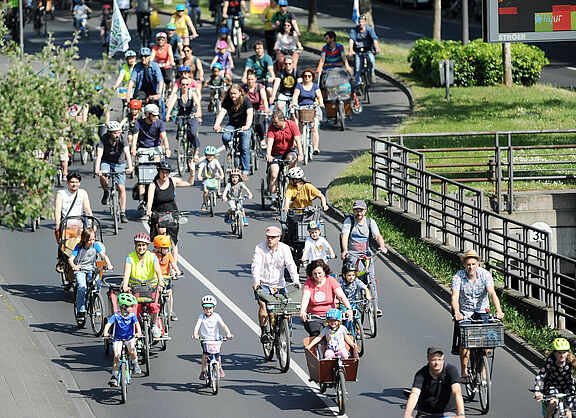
<point>421,185</point>
<point>375,194</point>
<point>480,230</point>
<point>498,174</point>
<point>510,174</point>
<point>404,163</point>
<point>389,170</point>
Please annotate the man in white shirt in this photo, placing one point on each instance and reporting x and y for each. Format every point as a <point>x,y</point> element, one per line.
<point>270,259</point>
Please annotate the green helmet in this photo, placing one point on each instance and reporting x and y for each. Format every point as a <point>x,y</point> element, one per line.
<point>127,299</point>
<point>560,344</point>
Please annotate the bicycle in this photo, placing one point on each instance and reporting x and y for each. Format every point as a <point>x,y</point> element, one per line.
<point>233,152</point>
<point>124,368</point>
<point>280,308</point>
<point>306,115</point>
<point>144,299</point>
<point>283,181</point>
<point>355,328</point>
<point>184,152</point>
<point>213,374</point>
<point>366,75</point>
<point>560,411</point>
<point>146,35</point>
<point>237,218</point>
<point>113,202</point>
<point>260,117</point>
<point>216,101</point>
<point>237,35</point>
<point>165,310</point>
<point>479,337</point>
<point>94,301</point>
<point>41,21</point>
<point>212,186</point>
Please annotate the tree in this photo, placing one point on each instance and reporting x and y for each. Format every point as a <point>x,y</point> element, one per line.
<point>437,26</point>
<point>366,9</point>
<point>313,16</point>
<point>34,105</point>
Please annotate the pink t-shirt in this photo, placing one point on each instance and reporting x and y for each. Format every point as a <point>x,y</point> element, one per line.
<point>321,297</point>
<point>193,83</point>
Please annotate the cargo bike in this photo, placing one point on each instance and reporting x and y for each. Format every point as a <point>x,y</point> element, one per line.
<point>339,99</point>
<point>295,228</point>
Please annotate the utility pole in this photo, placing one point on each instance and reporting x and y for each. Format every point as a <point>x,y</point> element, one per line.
<point>437,25</point>
<point>507,61</point>
<point>465,29</point>
<point>21,28</point>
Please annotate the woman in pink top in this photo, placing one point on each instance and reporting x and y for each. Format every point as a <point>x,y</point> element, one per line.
<point>319,295</point>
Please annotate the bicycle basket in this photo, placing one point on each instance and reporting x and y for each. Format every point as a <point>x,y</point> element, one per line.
<point>213,347</point>
<point>211,184</point>
<point>288,303</point>
<point>306,115</point>
<point>481,335</point>
<point>143,293</point>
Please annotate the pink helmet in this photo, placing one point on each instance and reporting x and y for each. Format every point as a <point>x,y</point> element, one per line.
<point>222,45</point>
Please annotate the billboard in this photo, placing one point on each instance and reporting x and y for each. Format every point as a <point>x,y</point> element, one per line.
<point>529,20</point>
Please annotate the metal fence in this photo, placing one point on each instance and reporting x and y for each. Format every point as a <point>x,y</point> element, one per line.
<point>454,214</point>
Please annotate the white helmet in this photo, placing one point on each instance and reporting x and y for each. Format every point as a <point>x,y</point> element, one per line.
<point>152,108</point>
<point>208,301</point>
<point>296,173</point>
<point>114,126</point>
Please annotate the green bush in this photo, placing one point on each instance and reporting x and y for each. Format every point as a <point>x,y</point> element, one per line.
<point>475,64</point>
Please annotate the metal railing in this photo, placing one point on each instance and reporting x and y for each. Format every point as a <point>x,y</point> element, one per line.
<point>454,214</point>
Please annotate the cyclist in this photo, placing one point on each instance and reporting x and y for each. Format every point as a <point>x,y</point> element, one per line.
<point>306,93</point>
<point>471,288</point>
<point>80,12</point>
<point>224,35</point>
<point>185,72</point>
<point>282,15</point>
<point>332,55</point>
<point>194,9</point>
<point>240,116</point>
<point>284,143</point>
<point>284,84</point>
<point>143,9</point>
<point>134,110</point>
<point>234,190</point>
<point>216,80</point>
<point>126,327</point>
<point>263,65</point>
<point>352,285</point>
<point>126,70</point>
<point>142,268</point>
<point>71,201</point>
<point>300,193</point>
<point>355,240</point>
<point>224,58</point>
<point>195,64</point>
<point>271,258</point>
<point>112,155</point>
<point>82,260</point>
<point>183,24</point>
<point>146,81</point>
<point>557,376</point>
<point>162,244</point>
<point>210,168</point>
<point>269,27</point>
<point>105,24</point>
<point>163,56</point>
<point>188,104</point>
<point>232,8</point>
<point>175,42</point>
<point>363,40</point>
<point>287,44</point>
<point>257,95</point>
<point>316,246</point>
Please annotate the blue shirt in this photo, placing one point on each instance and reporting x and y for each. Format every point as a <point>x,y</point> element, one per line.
<point>352,290</point>
<point>306,97</point>
<point>125,326</point>
<point>152,72</point>
<point>363,39</point>
<point>149,134</point>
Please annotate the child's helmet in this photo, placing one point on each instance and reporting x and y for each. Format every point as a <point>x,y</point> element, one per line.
<point>184,68</point>
<point>313,225</point>
<point>334,314</point>
<point>162,241</point>
<point>560,344</point>
<point>164,165</point>
<point>210,150</point>
<point>217,65</point>
<point>106,6</point>
<point>129,54</point>
<point>127,299</point>
<point>222,45</point>
<point>180,8</point>
<point>208,301</point>
<point>235,172</point>
<point>296,173</point>
<point>135,104</point>
<point>349,266</point>
<point>224,30</point>
<point>142,237</point>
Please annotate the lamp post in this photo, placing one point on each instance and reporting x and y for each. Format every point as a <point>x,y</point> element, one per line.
<point>21,28</point>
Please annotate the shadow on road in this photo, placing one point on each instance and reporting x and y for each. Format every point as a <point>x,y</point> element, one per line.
<point>41,293</point>
<point>392,396</point>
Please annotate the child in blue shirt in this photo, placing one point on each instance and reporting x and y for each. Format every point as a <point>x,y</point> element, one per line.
<point>351,284</point>
<point>126,327</point>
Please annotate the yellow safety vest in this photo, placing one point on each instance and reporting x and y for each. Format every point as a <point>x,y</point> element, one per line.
<point>142,274</point>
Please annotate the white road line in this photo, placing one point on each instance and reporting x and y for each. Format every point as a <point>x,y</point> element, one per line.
<point>414,33</point>
<point>383,27</point>
<point>571,68</point>
<point>250,323</point>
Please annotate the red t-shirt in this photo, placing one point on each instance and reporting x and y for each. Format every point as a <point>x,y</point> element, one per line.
<point>283,138</point>
<point>321,297</point>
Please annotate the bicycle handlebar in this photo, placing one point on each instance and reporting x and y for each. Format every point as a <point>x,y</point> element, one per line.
<point>231,130</point>
<point>220,338</point>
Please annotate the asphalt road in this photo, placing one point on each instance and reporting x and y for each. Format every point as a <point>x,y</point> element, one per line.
<point>218,263</point>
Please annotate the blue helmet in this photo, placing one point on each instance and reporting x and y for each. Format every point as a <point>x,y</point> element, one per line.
<point>210,150</point>
<point>145,52</point>
<point>217,65</point>
<point>224,30</point>
<point>129,53</point>
<point>180,8</point>
<point>334,314</point>
<point>183,68</point>
<point>313,225</point>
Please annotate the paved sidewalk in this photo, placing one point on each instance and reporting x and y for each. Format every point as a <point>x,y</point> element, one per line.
<point>30,385</point>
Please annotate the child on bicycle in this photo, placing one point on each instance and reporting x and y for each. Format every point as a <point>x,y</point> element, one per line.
<point>336,336</point>
<point>82,260</point>
<point>224,58</point>
<point>208,327</point>
<point>162,244</point>
<point>234,190</point>
<point>557,377</point>
<point>316,247</point>
<point>210,168</point>
<point>351,284</point>
<point>126,327</point>
<point>216,80</point>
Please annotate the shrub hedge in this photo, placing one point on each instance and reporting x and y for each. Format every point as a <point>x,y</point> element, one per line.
<point>475,64</point>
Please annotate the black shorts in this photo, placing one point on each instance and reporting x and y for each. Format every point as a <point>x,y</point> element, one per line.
<point>168,74</point>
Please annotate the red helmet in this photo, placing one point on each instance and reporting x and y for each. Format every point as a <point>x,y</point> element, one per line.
<point>142,237</point>
<point>106,6</point>
<point>135,104</point>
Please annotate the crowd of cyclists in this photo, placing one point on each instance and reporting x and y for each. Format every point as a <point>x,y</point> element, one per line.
<point>165,82</point>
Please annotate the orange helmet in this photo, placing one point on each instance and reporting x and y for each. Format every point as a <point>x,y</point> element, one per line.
<point>135,104</point>
<point>162,241</point>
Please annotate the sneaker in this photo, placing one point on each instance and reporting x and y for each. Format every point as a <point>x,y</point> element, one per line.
<point>222,374</point>
<point>202,375</point>
<point>137,369</point>
<point>59,267</point>
<point>316,152</point>
<point>142,205</point>
<point>80,316</point>
<point>373,78</point>
<point>156,333</point>
<point>123,218</point>
<point>378,313</point>
<point>105,197</point>
<point>227,219</point>
<point>113,382</point>
<point>203,208</point>
<point>244,177</point>
<point>173,316</point>
<point>245,220</point>
<point>265,338</point>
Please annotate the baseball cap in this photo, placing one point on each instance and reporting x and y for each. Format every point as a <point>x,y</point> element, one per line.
<point>434,350</point>
<point>359,204</point>
<point>273,231</point>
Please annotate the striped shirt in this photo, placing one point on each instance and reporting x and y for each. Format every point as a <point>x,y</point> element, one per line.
<point>333,57</point>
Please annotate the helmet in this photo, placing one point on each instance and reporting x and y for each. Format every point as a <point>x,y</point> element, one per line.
<point>313,225</point>
<point>152,108</point>
<point>349,266</point>
<point>283,3</point>
<point>135,104</point>
<point>106,6</point>
<point>183,68</point>
<point>222,45</point>
<point>296,173</point>
<point>127,299</point>
<point>114,126</point>
<point>560,344</point>
<point>170,26</point>
<point>129,54</point>
<point>162,241</point>
<point>98,87</point>
<point>210,150</point>
<point>145,52</point>
<point>180,8</point>
<point>334,314</point>
<point>217,65</point>
<point>224,30</point>
<point>142,237</point>
<point>164,165</point>
<point>209,301</point>
<point>235,172</point>
<point>161,35</point>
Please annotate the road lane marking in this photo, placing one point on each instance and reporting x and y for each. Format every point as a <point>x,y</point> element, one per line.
<point>383,27</point>
<point>571,68</point>
<point>414,33</point>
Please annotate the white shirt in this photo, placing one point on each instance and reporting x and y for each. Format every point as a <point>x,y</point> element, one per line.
<point>268,266</point>
<point>209,169</point>
<point>316,249</point>
<point>209,328</point>
<point>67,198</point>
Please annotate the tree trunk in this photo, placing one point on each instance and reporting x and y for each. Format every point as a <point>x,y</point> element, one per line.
<point>507,61</point>
<point>312,16</point>
<point>437,27</point>
<point>366,9</point>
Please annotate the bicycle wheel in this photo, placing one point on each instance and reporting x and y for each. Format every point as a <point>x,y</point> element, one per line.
<point>305,144</point>
<point>240,225</point>
<point>34,222</point>
<point>238,40</point>
<point>268,347</point>
<point>212,198</point>
<point>165,321</point>
<point>43,24</point>
<point>96,313</point>
<point>215,377</point>
<point>310,147</point>
<point>115,207</point>
<point>372,324</point>
<point>146,348</point>
<point>252,162</point>
<point>484,384</point>
<point>124,380</point>
<point>471,386</point>
<point>83,155</point>
<point>341,392</point>
<point>359,336</point>
<point>341,115</point>
<point>262,195</point>
<point>181,153</point>
<point>367,83</point>
<point>283,345</point>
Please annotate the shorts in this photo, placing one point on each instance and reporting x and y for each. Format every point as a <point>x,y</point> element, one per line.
<point>117,345</point>
<point>283,156</point>
<point>62,150</point>
<point>283,98</point>
<point>232,205</point>
<point>205,350</point>
<point>120,178</point>
<point>147,154</point>
<point>264,288</point>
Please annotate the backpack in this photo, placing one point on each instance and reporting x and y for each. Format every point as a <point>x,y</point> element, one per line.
<point>352,223</point>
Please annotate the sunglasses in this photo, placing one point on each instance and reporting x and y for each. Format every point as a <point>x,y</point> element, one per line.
<point>307,75</point>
